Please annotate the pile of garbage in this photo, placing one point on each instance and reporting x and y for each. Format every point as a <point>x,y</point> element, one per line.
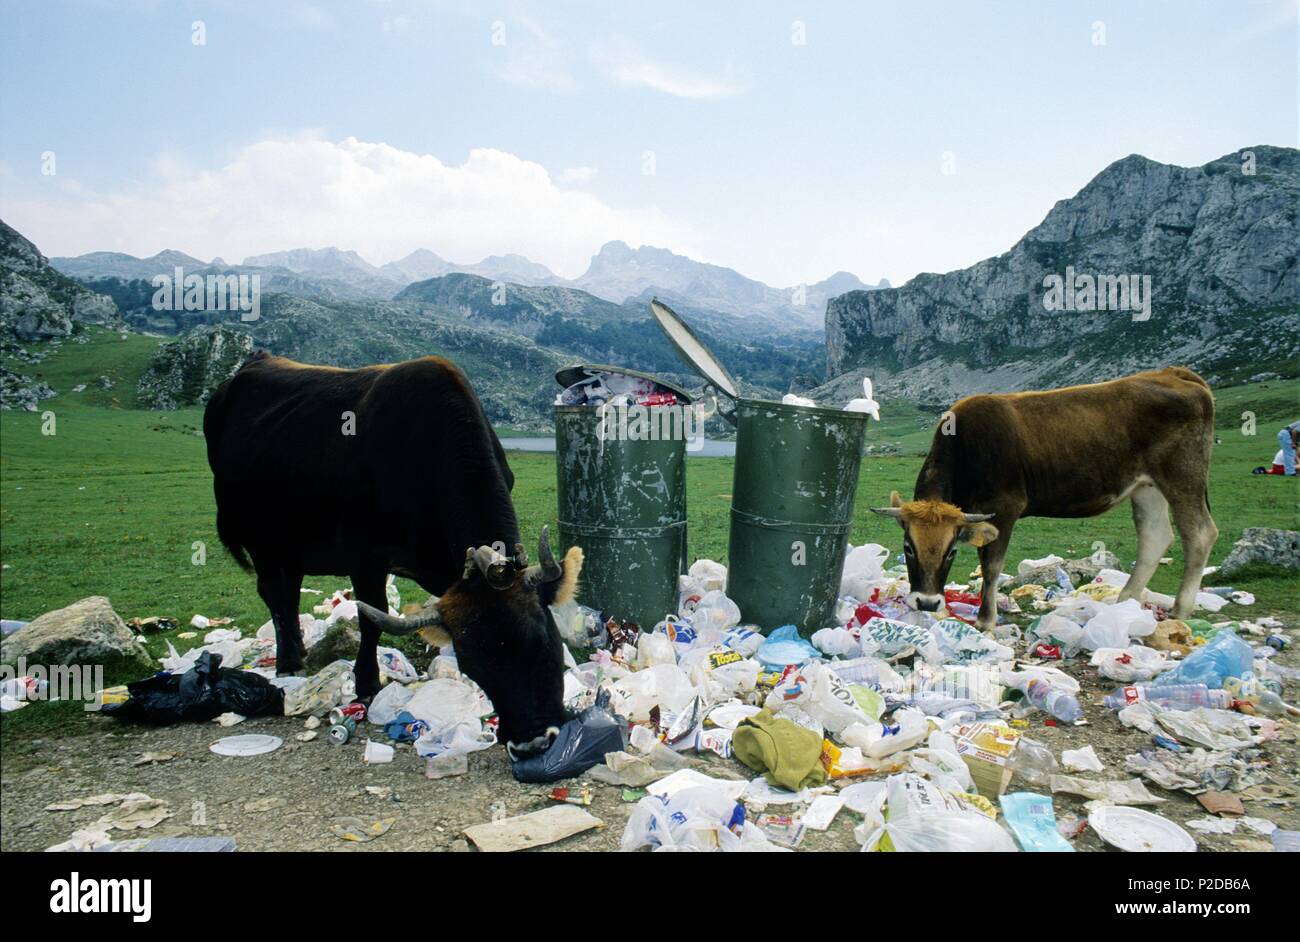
<point>728,737</point>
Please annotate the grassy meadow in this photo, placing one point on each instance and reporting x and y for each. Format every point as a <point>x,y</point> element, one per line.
<point>115,500</point>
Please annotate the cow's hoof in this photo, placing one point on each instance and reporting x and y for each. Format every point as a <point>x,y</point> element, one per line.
<point>300,672</point>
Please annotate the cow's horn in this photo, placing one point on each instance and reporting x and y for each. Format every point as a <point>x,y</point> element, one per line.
<point>895,512</point>
<point>496,569</point>
<point>977,518</point>
<point>396,625</point>
<point>547,569</point>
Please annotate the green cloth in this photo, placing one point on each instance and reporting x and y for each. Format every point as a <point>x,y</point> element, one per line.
<point>789,754</point>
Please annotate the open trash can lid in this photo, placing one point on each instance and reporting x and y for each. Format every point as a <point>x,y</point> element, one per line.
<point>693,350</point>
<point>570,375</point>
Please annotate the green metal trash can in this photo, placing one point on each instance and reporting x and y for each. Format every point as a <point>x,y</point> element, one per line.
<point>623,500</point>
<point>795,478</point>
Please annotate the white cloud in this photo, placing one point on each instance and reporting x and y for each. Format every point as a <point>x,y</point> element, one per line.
<point>313,17</point>
<point>628,67</point>
<point>308,192</point>
<point>576,175</point>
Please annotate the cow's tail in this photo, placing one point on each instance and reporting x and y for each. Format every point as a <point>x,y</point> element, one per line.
<point>214,417</point>
<point>232,544</point>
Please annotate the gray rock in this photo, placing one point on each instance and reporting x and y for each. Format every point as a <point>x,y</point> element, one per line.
<point>1219,245</point>
<point>1079,570</point>
<point>88,632</point>
<point>18,391</point>
<point>187,371</point>
<point>39,303</point>
<point>1263,545</point>
<point>340,643</point>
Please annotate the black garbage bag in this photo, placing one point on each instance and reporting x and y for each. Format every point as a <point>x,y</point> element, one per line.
<point>202,693</point>
<point>581,743</point>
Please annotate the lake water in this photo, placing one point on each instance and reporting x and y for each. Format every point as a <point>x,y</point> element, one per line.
<point>711,448</point>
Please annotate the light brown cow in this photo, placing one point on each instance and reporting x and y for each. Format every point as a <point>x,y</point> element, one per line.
<point>1073,452</point>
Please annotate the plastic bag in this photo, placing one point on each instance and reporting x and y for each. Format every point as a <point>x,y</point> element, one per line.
<point>581,743</point>
<point>966,644</point>
<point>198,695</point>
<point>666,686</point>
<point>784,647</point>
<point>1225,655</point>
<point>397,665</point>
<point>1055,628</point>
<point>877,740</point>
<point>819,692</point>
<point>887,637</point>
<point>333,685</point>
<point>1129,664</point>
<point>715,612</point>
<point>864,567</point>
<point>443,703</point>
<point>1114,625</point>
<point>458,740</point>
<point>388,703</point>
<point>1033,821</point>
<point>693,819</point>
<point>654,649</point>
<point>921,816</point>
<point>942,764</point>
<point>835,642</point>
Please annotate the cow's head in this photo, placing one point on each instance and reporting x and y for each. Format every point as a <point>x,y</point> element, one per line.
<point>932,530</point>
<point>498,618</point>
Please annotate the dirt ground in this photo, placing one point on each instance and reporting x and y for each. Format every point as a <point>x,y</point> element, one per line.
<point>287,799</point>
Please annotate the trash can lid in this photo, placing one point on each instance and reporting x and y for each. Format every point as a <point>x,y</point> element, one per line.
<point>693,350</point>
<point>569,375</point>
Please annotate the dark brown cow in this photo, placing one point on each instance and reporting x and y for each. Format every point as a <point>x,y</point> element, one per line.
<point>1073,452</point>
<point>390,469</point>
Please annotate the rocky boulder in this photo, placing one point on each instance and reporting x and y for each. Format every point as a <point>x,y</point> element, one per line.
<point>187,371</point>
<point>88,632</point>
<point>18,391</point>
<point>37,302</point>
<point>1263,546</point>
<point>1079,570</point>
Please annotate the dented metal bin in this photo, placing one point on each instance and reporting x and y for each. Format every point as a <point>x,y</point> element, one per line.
<point>795,478</point>
<point>624,502</point>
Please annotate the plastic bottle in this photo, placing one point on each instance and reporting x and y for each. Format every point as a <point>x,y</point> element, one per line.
<point>1033,762</point>
<point>1052,700</point>
<point>1063,580</point>
<point>1174,697</point>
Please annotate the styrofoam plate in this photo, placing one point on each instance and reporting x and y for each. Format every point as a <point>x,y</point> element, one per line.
<point>252,744</point>
<point>1137,831</point>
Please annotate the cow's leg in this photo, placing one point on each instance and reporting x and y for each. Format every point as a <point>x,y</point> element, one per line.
<point>281,591</point>
<point>1197,531</point>
<point>992,556</point>
<point>369,588</point>
<point>1151,517</point>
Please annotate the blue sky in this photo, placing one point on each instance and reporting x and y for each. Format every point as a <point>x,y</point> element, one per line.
<point>473,128</point>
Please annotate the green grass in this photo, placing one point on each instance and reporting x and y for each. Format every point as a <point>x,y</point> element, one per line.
<point>113,502</point>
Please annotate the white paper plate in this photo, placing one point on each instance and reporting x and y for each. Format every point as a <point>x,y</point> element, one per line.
<point>252,744</point>
<point>1136,831</point>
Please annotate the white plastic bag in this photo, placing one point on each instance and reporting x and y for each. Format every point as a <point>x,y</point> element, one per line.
<point>820,693</point>
<point>877,740</point>
<point>835,642</point>
<point>1114,625</point>
<point>715,612</point>
<point>444,703</point>
<point>864,566</point>
<point>388,703</point>
<point>921,816</point>
<point>1126,665</point>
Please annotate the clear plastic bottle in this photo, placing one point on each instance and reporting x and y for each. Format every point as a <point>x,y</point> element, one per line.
<point>1172,697</point>
<point>1053,700</point>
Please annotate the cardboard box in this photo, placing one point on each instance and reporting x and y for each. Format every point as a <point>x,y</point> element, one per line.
<point>986,748</point>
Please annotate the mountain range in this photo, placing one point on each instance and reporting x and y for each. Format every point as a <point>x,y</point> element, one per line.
<point>617,273</point>
<point>1150,264</point>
